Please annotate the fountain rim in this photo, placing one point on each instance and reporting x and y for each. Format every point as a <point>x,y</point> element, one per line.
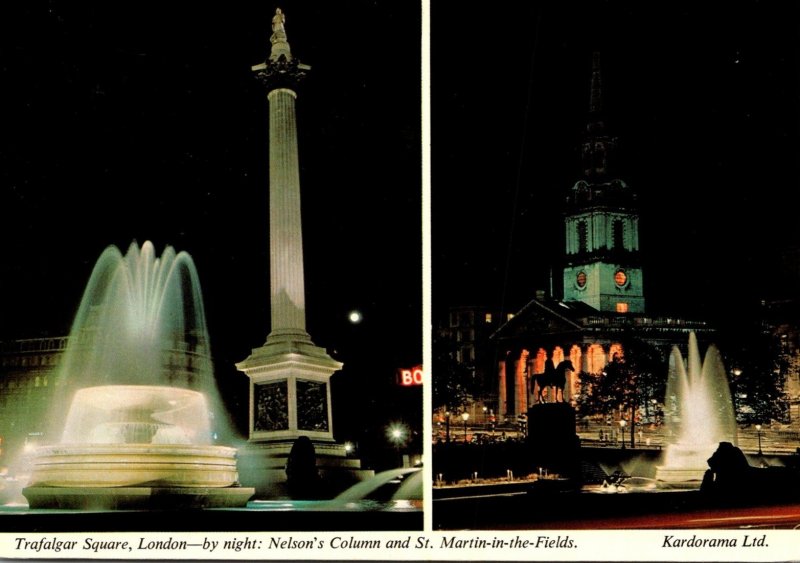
<point>116,450</point>
<point>112,394</point>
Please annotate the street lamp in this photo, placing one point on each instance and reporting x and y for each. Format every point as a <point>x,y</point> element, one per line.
<point>758,431</point>
<point>447,427</point>
<point>622,424</point>
<point>397,434</point>
<point>465,418</point>
<point>485,418</point>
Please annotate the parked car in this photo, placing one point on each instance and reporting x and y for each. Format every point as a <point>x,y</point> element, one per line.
<point>393,490</point>
<point>396,489</point>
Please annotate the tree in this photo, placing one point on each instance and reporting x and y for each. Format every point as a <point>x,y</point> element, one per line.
<point>629,382</point>
<point>759,365</point>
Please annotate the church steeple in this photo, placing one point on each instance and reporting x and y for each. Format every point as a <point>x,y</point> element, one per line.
<point>596,98</point>
<point>602,262</point>
<point>598,147</point>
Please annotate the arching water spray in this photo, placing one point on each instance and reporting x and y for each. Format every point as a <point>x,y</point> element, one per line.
<point>144,409</point>
<point>699,415</point>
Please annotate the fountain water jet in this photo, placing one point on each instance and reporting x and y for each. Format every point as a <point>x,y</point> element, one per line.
<point>699,415</point>
<point>140,426</point>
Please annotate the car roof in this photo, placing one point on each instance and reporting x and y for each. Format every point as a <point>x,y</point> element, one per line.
<point>363,488</point>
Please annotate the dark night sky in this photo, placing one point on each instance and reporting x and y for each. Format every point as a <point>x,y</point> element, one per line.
<point>705,101</point>
<point>128,121</point>
<point>141,120</point>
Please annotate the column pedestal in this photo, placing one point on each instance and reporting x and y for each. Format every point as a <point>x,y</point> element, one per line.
<point>290,396</point>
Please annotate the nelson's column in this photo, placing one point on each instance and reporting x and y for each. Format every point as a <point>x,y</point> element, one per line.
<point>290,393</point>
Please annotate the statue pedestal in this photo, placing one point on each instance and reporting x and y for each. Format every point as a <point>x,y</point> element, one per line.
<point>552,439</point>
<point>290,396</point>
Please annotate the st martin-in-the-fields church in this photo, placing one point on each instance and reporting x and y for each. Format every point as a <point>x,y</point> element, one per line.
<point>603,284</point>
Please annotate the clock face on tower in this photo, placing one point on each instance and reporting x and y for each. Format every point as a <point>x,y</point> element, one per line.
<point>580,280</point>
<point>620,278</point>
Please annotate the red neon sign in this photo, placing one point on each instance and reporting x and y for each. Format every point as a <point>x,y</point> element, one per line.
<point>409,377</point>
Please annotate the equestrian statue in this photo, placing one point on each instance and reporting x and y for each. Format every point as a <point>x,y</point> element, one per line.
<point>553,377</point>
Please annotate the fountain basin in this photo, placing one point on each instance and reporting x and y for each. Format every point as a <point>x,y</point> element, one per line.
<point>134,476</point>
<point>124,465</point>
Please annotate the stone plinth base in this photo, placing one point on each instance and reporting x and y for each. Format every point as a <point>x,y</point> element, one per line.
<point>263,466</point>
<point>129,498</point>
<point>552,439</point>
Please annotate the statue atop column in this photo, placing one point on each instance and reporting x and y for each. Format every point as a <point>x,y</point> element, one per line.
<point>278,31</point>
<point>281,69</point>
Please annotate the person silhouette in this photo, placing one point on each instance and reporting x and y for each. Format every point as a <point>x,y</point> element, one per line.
<point>302,478</point>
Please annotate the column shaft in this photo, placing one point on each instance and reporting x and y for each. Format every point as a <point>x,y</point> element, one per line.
<point>287,291</point>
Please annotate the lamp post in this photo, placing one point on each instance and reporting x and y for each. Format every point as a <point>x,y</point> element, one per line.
<point>622,424</point>
<point>447,427</point>
<point>397,434</point>
<point>485,418</point>
<point>465,418</point>
<point>758,431</point>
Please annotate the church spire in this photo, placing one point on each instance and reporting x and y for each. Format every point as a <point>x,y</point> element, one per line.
<point>596,98</point>
<point>598,147</point>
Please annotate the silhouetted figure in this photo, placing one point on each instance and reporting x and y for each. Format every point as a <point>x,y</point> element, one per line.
<point>302,478</point>
<point>731,478</point>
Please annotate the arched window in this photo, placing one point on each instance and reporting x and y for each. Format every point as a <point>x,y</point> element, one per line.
<point>583,237</point>
<point>619,235</point>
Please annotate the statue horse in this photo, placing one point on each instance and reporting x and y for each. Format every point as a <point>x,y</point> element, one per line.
<point>555,378</point>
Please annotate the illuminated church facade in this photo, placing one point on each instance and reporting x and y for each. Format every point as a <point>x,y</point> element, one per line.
<point>603,284</point>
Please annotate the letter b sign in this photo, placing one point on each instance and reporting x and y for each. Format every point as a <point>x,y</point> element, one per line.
<point>411,376</point>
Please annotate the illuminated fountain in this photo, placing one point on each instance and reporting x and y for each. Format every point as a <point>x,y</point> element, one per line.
<point>699,415</point>
<point>145,411</point>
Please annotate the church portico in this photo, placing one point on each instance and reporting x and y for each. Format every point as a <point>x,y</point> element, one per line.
<point>528,362</point>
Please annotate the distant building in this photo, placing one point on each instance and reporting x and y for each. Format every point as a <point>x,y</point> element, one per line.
<point>464,337</point>
<point>27,386</point>
<point>781,320</point>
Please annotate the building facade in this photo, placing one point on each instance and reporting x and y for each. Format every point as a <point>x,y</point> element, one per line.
<point>28,384</point>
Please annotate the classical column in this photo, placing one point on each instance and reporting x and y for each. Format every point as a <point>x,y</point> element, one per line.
<point>287,285</point>
<point>502,395</point>
<point>289,376</point>
<point>521,386</point>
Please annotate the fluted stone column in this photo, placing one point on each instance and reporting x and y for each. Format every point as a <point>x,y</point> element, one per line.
<point>287,285</point>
